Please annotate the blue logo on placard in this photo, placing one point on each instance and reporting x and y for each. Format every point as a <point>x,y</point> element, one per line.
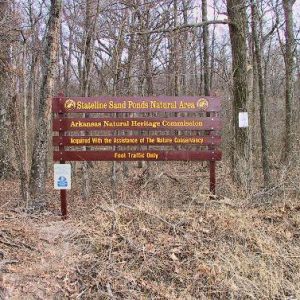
<point>62,181</point>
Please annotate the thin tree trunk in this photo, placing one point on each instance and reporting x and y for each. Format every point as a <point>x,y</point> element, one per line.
<point>66,58</point>
<point>19,149</point>
<point>253,105</point>
<point>128,71</point>
<point>184,49</point>
<point>201,88</point>
<point>205,49</point>
<point>289,81</point>
<point>262,98</point>
<point>32,101</point>
<point>25,139</point>
<point>117,60</point>
<point>90,23</point>
<point>176,90</point>
<point>212,60</point>
<point>197,88</point>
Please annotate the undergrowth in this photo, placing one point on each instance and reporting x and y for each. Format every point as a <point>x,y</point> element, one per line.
<point>162,236</point>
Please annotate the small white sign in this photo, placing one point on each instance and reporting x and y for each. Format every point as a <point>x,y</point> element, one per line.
<point>243,120</point>
<point>62,176</point>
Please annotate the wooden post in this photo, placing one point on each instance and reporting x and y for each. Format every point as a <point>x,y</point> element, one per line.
<point>63,193</point>
<point>212,165</point>
<point>212,177</point>
<point>63,204</point>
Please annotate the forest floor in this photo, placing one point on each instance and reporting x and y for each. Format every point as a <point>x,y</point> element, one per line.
<point>160,237</point>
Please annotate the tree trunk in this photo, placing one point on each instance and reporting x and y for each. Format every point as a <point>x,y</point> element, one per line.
<point>237,14</point>
<point>184,49</point>
<point>289,81</point>
<point>86,74</point>
<point>174,54</point>
<point>18,138</point>
<point>6,168</point>
<point>213,42</point>
<point>41,141</point>
<point>262,100</point>
<point>205,49</point>
<point>128,73</point>
<point>201,62</point>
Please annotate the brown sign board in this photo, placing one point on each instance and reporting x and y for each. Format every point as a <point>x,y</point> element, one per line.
<point>179,123</point>
<point>136,140</point>
<point>109,104</point>
<point>150,155</point>
<point>160,131</point>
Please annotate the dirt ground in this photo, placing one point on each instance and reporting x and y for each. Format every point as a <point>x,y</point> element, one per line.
<point>160,237</point>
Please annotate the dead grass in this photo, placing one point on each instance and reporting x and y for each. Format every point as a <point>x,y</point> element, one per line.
<point>163,238</point>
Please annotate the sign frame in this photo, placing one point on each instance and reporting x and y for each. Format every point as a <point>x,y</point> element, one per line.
<point>205,120</point>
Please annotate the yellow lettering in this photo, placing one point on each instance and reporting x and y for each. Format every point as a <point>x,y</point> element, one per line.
<point>186,105</point>
<point>80,141</point>
<point>91,105</point>
<point>137,155</point>
<point>96,140</point>
<point>85,124</point>
<point>137,105</point>
<point>163,140</point>
<point>163,105</point>
<point>184,123</point>
<point>119,155</point>
<point>152,155</point>
<point>117,105</point>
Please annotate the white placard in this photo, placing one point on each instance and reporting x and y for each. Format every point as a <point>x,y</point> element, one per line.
<point>243,120</point>
<point>62,176</point>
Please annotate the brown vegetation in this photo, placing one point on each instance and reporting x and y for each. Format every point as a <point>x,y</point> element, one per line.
<point>165,240</point>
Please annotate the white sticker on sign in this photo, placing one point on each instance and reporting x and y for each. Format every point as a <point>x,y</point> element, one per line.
<point>62,176</point>
<point>243,120</point>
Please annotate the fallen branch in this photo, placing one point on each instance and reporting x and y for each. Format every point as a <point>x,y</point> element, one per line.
<point>5,262</point>
<point>6,240</point>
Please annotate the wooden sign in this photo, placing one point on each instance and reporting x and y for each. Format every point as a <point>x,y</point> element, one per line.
<point>108,104</point>
<point>130,140</point>
<point>191,135</point>
<point>179,123</point>
<point>211,155</point>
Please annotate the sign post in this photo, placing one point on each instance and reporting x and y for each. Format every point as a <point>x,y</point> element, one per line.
<point>197,133</point>
<point>212,177</point>
<point>63,193</point>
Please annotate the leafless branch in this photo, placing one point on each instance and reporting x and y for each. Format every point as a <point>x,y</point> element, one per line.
<point>182,27</point>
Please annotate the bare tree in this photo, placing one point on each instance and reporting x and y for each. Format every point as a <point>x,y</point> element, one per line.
<point>6,167</point>
<point>289,80</point>
<point>91,14</point>
<point>38,172</point>
<point>262,98</point>
<point>205,37</point>
<point>148,48</point>
<point>238,28</point>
